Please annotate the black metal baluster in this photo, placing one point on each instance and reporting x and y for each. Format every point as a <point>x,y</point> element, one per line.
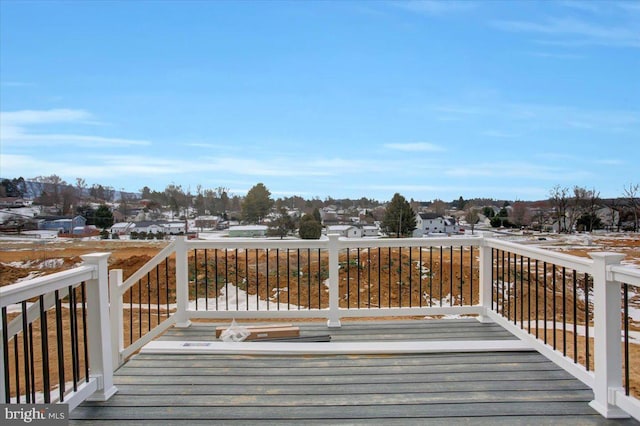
<point>237,284</point>
<point>130,314</point>
<point>16,356</point>
<point>158,293</point>
<point>195,272</point>
<point>298,274</point>
<point>44,346</point>
<point>60,346</point>
<point>288,282</point>
<point>451,275</point>
<point>5,356</point>
<point>85,331</point>
<point>389,282</point>
<point>410,272</point>
<point>544,301</point>
<point>25,351</point>
<point>32,364</point>
<point>461,272</point>
<point>521,291</point>
<point>309,279</point>
<point>149,301</point>
<point>166,280</point>
<point>430,276</point>
<point>369,277</point>
<point>537,299</point>
<point>358,276</point>
<point>278,279</point>
<point>206,279</point>
<point>441,275</point>
<point>564,311</point>
<point>575,316</point>
<point>529,295</point>
<point>226,279</point>
<point>586,319</point>
<point>553,303</point>
<point>627,367</point>
<point>503,288</point>
<point>215,271</point>
<point>139,284</point>
<point>421,269</point>
<point>400,277</point>
<point>73,325</point>
<point>246,275</point>
<point>509,286</point>
<point>471,275</point>
<point>379,277</point>
<point>319,281</point>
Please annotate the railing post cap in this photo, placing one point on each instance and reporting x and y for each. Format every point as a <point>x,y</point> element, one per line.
<point>607,257</point>
<point>95,257</point>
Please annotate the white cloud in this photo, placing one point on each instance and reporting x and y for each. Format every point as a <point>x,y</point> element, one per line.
<point>435,7</point>
<point>415,147</point>
<point>44,116</point>
<point>16,129</point>
<point>578,31</point>
<point>515,169</point>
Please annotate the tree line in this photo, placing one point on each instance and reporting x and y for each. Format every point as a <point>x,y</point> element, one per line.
<point>571,208</point>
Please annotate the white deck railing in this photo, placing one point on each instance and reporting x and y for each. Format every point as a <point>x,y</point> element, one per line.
<point>192,279</point>
<point>25,309</point>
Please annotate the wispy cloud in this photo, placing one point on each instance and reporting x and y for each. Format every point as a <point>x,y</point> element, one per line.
<point>499,134</point>
<point>15,84</point>
<point>435,7</point>
<point>575,31</point>
<point>516,169</point>
<point>16,127</point>
<point>415,147</point>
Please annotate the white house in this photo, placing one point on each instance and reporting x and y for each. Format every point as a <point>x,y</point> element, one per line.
<point>431,223</point>
<point>248,231</point>
<point>348,231</point>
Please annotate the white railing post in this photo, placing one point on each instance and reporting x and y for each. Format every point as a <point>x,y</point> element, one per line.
<point>486,286</point>
<point>182,283</point>
<point>99,327</point>
<point>607,336</point>
<point>116,314</point>
<point>334,281</point>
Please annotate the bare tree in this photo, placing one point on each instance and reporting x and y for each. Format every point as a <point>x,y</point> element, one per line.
<point>559,201</point>
<point>631,194</point>
<point>472,217</point>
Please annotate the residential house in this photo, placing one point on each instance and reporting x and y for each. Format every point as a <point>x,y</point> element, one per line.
<point>348,231</point>
<point>432,223</point>
<point>240,231</point>
<point>62,225</point>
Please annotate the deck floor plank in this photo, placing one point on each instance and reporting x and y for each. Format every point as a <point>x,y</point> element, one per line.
<point>477,388</point>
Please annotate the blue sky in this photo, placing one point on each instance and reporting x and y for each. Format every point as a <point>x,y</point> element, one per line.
<point>431,99</point>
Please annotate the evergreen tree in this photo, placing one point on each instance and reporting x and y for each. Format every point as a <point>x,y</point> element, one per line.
<point>282,226</point>
<point>256,204</point>
<point>103,217</point>
<point>310,228</point>
<point>399,219</point>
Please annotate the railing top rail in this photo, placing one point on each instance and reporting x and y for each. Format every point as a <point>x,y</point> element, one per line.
<point>18,292</point>
<point>323,242</point>
<point>625,274</point>
<point>255,243</point>
<point>580,264</point>
<point>410,242</point>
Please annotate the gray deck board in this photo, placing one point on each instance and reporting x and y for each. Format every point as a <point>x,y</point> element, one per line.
<point>501,388</point>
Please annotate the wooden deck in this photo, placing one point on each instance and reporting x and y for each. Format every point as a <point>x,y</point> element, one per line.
<point>471,388</point>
